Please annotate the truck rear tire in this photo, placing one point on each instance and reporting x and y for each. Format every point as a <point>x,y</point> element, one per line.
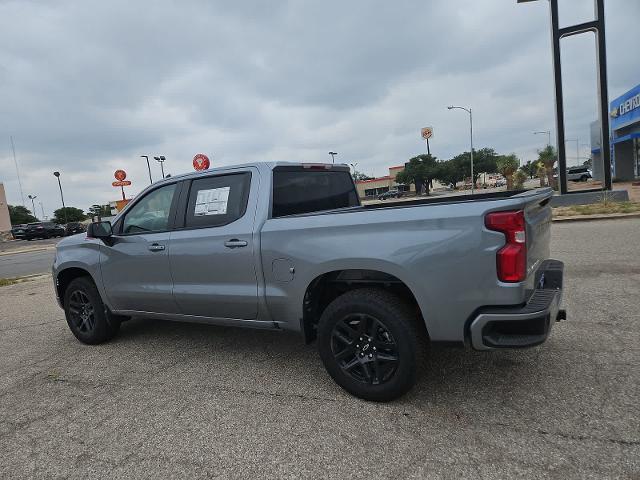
<point>87,316</point>
<point>369,342</point>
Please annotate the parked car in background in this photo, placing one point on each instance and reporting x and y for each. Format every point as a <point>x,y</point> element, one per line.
<point>390,194</point>
<point>19,231</point>
<point>285,246</point>
<point>43,230</point>
<point>74,227</point>
<point>578,174</point>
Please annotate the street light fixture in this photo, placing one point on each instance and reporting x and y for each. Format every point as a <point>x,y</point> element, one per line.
<point>160,160</point>
<point>468,110</point>
<point>33,205</point>
<point>546,132</point>
<point>333,156</point>
<point>148,167</point>
<point>64,209</point>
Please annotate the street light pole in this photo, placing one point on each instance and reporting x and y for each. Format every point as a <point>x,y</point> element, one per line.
<point>148,167</point>
<point>64,209</point>
<point>547,132</point>
<point>468,110</point>
<point>333,155</point>
<point>160,160</point>
<point>33,205</point>
<point>42,209</point>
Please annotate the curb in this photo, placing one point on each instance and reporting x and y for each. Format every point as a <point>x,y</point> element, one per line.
<point>589,218</point>
<point>28,250</point>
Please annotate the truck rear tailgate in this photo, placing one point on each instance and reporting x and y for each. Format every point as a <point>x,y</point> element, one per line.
<point>538,229</point>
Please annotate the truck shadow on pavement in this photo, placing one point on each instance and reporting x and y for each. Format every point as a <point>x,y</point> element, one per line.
<point>279,363</point>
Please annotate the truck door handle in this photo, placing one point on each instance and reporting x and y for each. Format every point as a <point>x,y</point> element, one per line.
<point>155,247</point>
<point>235,243</point>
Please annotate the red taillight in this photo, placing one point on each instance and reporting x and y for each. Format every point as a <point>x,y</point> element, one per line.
<point>511,259</point>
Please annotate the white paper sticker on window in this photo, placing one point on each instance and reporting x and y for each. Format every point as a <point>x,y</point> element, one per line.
<point>212,202</point>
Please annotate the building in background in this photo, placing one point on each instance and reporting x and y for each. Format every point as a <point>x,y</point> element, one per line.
<point>374,187</point>
<point>624,118</point>
<point>5,220</point>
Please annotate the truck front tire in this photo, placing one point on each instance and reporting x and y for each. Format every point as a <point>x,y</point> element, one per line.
<point>87,316</point>
<point>369,342</point>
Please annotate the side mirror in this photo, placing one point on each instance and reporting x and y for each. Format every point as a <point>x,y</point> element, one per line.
<point>99,230</point>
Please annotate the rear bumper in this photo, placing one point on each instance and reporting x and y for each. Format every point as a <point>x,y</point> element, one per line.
<point>522,326</point>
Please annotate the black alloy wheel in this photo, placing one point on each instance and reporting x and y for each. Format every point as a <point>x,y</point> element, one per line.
<point>87,316</point>
<point>81,311</point>
<point>364,349</point>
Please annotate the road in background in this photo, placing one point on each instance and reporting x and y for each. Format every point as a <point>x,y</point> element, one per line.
<point>28,263</point>
<point>176,400</point>
<point>27,244</point>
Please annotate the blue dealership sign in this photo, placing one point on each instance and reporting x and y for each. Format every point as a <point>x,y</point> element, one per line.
<point>625,109</point>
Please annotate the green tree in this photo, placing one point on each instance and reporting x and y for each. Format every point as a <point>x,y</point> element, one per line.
<point>420,171</point>
<point>518,179</point>
<point>360,176</point>
<point>72,215</point>
<point>530,168</point>
<point>19,214</point>
<point>548,158</point>
<point>484,160</point>
<point>450,172</point>
<point>507,166</point>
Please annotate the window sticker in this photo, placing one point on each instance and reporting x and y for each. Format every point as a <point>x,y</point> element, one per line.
<point>212,202</point>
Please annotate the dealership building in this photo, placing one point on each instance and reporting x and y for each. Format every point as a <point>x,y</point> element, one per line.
<point>624,118</point>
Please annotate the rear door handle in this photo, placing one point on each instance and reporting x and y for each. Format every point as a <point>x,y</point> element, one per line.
<point>155,247</point>
<point>235,243</point>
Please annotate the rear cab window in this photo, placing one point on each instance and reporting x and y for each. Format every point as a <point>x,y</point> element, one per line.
<point>299,190</point>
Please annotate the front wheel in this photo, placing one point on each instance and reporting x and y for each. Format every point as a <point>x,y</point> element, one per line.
<point>369,342</point>
<point>88,318</point>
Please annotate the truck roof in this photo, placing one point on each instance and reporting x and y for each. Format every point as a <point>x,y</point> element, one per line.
<point>263,165</point>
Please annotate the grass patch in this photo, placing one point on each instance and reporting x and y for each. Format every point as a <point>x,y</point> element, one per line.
<point>8,281</point>
<point>600,208</point>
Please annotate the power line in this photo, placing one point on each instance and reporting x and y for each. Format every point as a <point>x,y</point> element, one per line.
<point>13,149</point>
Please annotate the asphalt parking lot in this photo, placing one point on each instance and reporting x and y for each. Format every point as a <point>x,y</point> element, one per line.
<point>171,400</point>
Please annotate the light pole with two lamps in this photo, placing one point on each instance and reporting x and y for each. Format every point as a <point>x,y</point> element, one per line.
<point>160,160</point>
<point>33,205</point>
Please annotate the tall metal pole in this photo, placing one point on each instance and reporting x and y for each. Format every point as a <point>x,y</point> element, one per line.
<point>333,154</point>
<point>473,179</point>
<point>148,167</point>
<point>64,209</point>
<point>468,110</point>
<point>33,205</point>
<point>42,209</point>
<point>13,148</point>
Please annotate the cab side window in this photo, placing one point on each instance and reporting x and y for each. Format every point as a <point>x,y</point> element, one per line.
<point>151,213</point>
<point>217,201</point>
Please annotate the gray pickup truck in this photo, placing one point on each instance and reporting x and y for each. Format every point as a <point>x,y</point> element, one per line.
<point>286,246</point>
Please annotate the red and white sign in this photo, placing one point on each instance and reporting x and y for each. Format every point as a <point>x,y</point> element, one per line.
<point>121,183</point>
<point>201,162</point>
<point>120,175</point>
<point>426,132</point>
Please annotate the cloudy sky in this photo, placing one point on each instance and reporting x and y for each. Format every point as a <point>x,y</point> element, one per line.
<point>87,87</point>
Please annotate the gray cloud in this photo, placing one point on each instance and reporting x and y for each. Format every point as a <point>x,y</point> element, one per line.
<point>87,87</point>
